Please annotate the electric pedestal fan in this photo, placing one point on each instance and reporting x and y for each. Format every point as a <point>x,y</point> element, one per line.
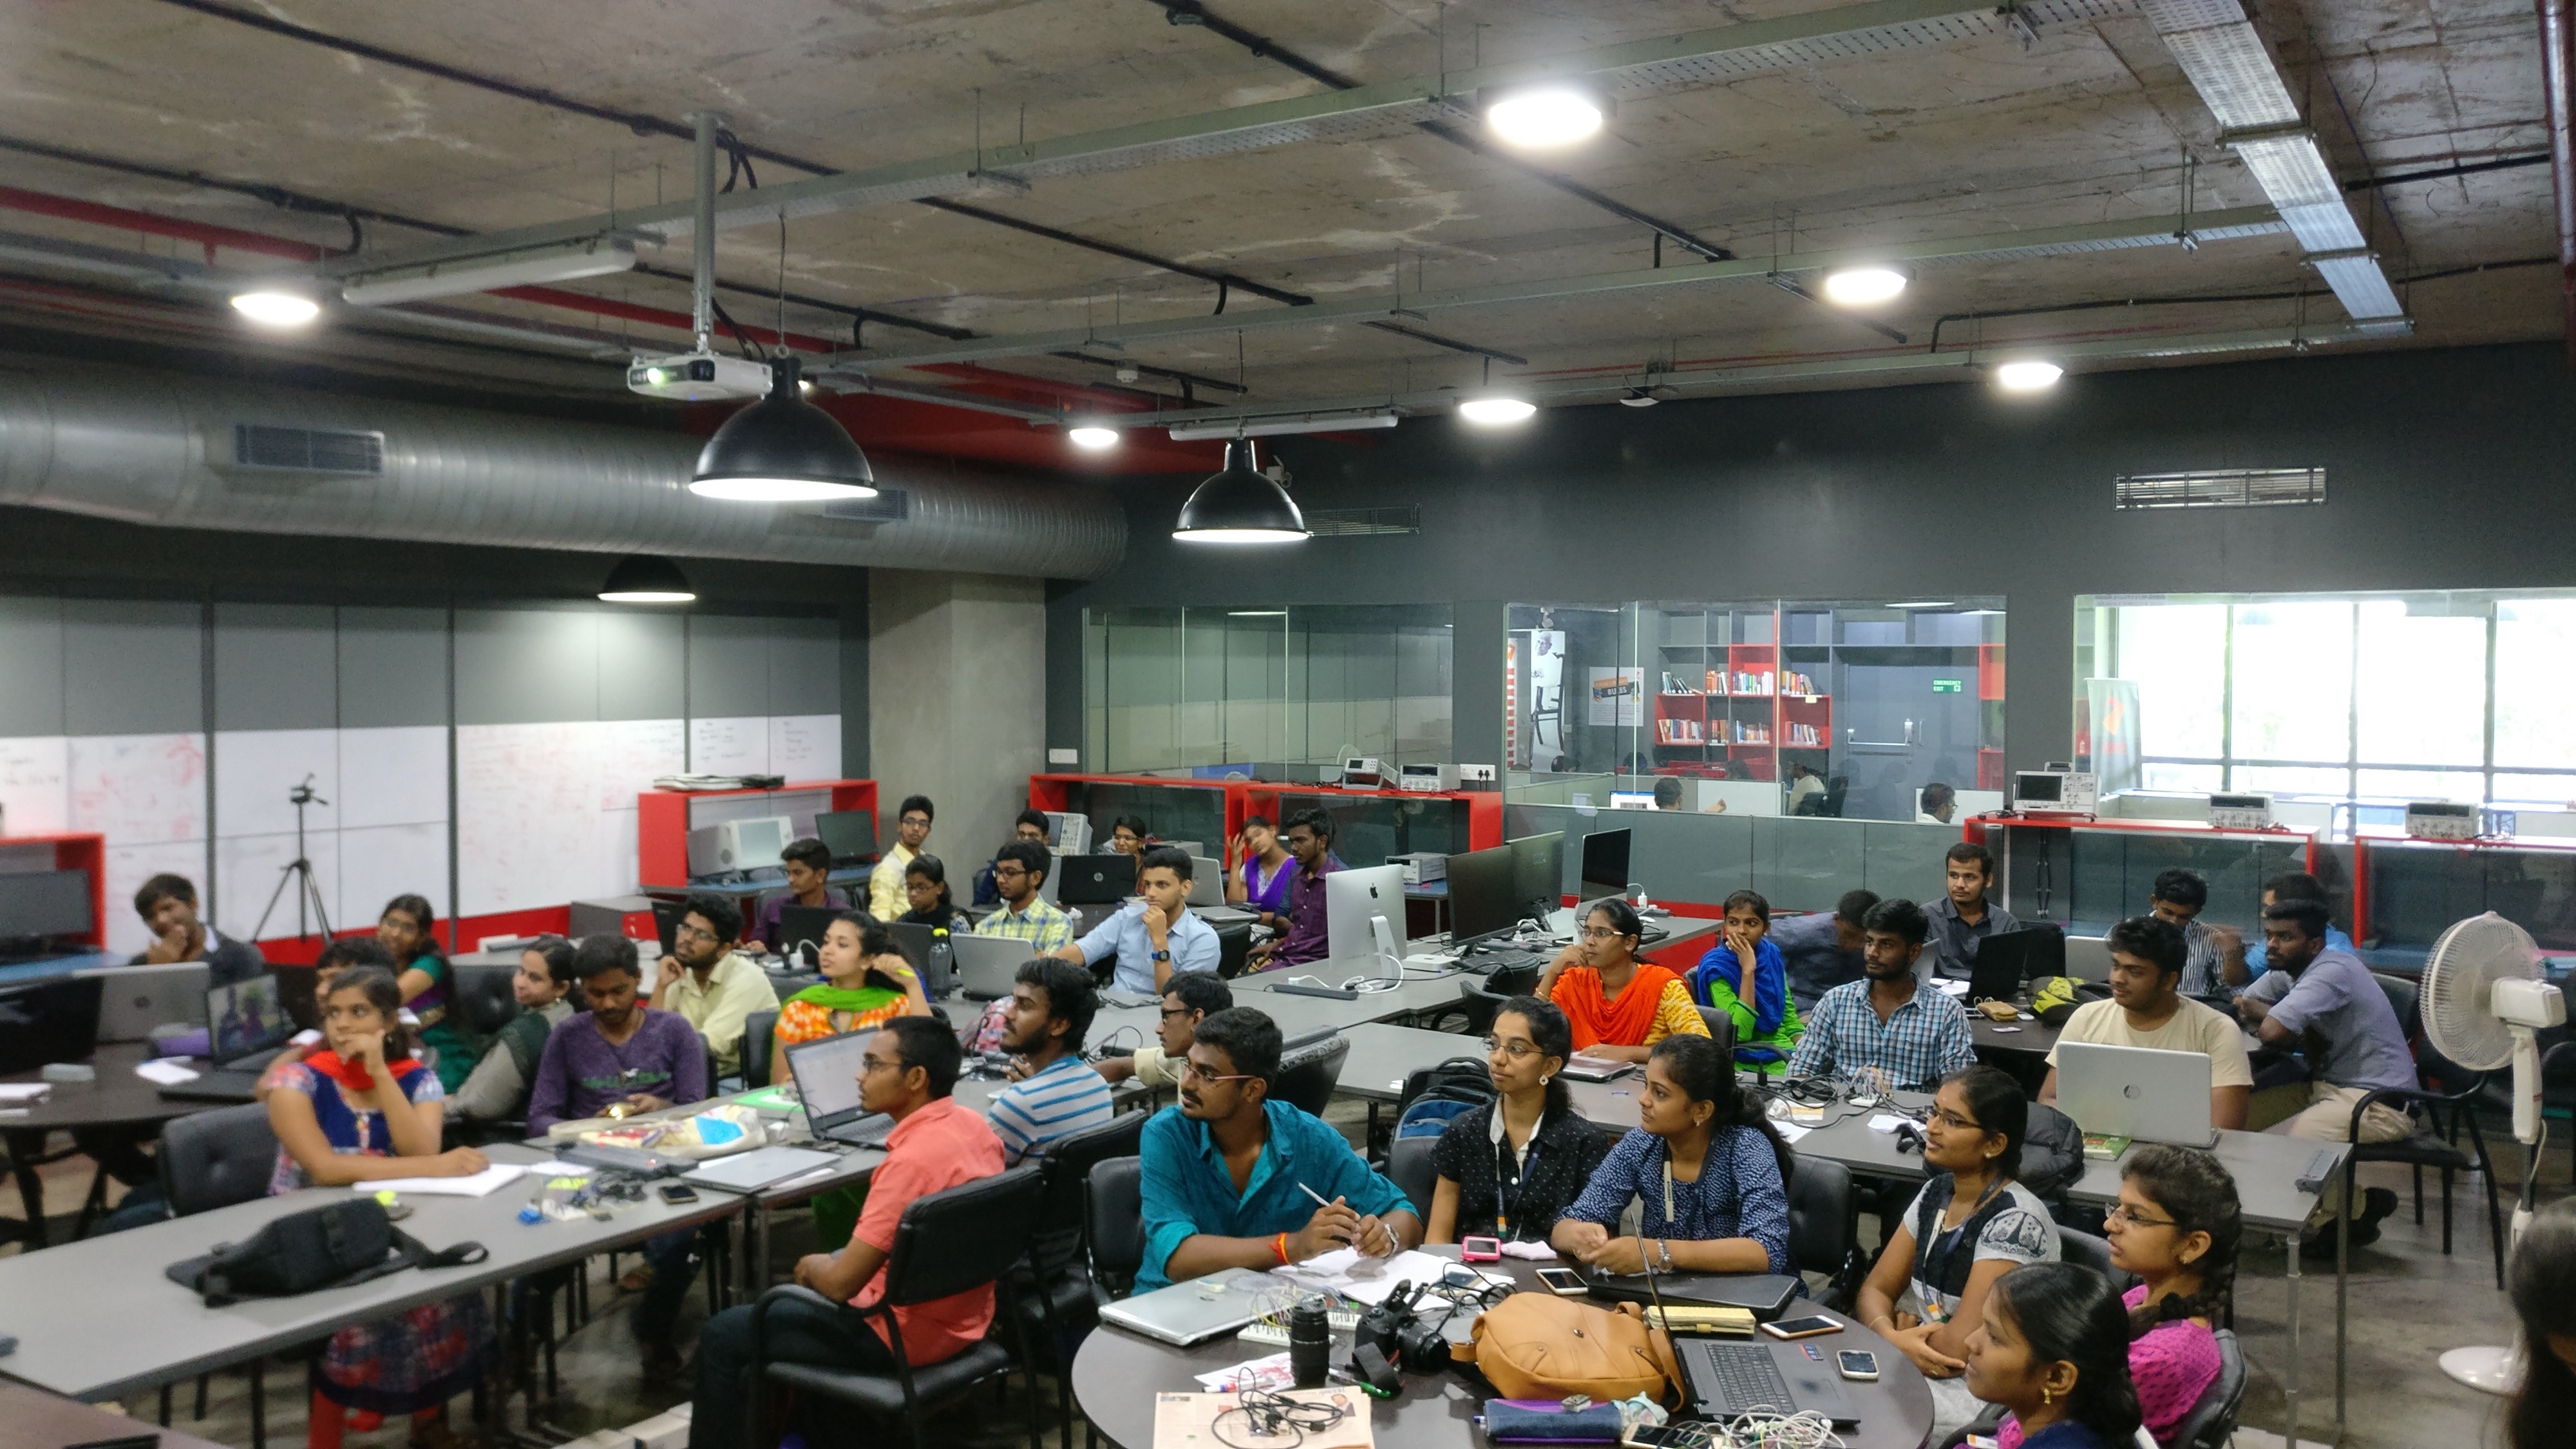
<point>2484,995</point>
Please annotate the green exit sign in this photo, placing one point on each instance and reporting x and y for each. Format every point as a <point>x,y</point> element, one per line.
<point>1947,686</point>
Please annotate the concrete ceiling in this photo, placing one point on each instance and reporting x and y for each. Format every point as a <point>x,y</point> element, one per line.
<point>2092,122</point>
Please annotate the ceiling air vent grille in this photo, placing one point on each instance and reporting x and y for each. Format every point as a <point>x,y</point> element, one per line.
<point>2220,488</point>
<point>1355,522</point>
<point>307,450</point>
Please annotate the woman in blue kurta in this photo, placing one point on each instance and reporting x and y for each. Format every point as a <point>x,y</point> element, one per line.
<point>1705,1164</point>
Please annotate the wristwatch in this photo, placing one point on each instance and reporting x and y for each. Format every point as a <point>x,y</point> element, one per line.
<point>1163,955</point>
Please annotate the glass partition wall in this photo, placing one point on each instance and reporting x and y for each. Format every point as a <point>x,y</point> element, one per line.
<point>1836,709</point>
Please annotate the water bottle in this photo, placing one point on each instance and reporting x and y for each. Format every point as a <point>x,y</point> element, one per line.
<point>1310,1343</point>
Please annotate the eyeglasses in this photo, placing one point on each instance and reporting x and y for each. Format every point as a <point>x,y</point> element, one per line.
<point>868,1064</point>
<point>2121,1211</point>
<point>1169,1011</point>
<point>1008,868</point>
<point>1949,1118</point>
<point>1190,1073</point>
<point>921,820</point>
<point>1601,933</point>
<point>694,933</point>
<point>1515,1048</point>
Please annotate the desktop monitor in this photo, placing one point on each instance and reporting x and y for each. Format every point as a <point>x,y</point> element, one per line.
<point>735,846</point>
<point>1538,872</point>
<point>246,1017</point>
<point>1484,899</point>
<point>851,835</point>
<point>1632,800</point>
<point>1352,898</point>
<point>1605,863</point>
<point>51,1019</point>
<point>40,903</point>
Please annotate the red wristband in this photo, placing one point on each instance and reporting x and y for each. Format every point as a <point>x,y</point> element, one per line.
<point>1279,1245</point>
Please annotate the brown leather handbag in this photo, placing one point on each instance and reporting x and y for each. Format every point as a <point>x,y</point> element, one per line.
<point>1540,1346</point>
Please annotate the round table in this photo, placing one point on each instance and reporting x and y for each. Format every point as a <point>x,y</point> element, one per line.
<point>1117,1374</point>
<point>117,1099</point>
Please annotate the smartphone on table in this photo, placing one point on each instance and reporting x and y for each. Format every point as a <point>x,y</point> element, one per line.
<point>1858,1365</point>
<point>1807,1327</point>
<point>678,1192</point>
<point>1480,1250</point>
<point>1563,1282</point>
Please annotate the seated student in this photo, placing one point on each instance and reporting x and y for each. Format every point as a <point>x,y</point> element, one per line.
<point>1051,1092</point>
<point>2544,1297</point>
<point>1256,874</point>
<point>335,958</point>
<point>707,981</point>
<point>1619,1006</point>
<point>2176,1228</point>
<point>1153,936</point>
<point>1189,998</point>
<point>1969,1226</point>
<point>911,836</point>
<point>1509,1169</point>
<point>1031,826</point>
<point>1019,871</point>
<point>1668,792</point>
<point>2048,1348</point>
<point>866,982</point>
<point>1965,916</point>
<point>1128,836</point>
<point>1805,785</point>
<point>1225,1174</point>
<point>809,883</point>
<point>362,1110</point>
<point>1822,950</point>
<point>2296,885</point>
<point>1708,1170</point>
<point>1308,922</point>
<point>168,905</point>
<point>1744,976</point>
<point>907,1072</point>
<point>925,893</point>
<point>428,985</point>
<point>623,1053</point>
<point>498,1088</point>
<point>1886,1021</point>
<point>2340,1019</point>
<point>2178,896</point>
<point>2146,1009</point>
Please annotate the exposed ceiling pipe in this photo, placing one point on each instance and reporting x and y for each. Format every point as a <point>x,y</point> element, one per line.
<point>2558,92</point>
<point>702,249</point>
<point>160,448</point>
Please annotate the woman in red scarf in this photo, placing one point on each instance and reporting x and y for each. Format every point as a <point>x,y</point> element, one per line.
<point>1618,1005</point>
<point>363,1110</point>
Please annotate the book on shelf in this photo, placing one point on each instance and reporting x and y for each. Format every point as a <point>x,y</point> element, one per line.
<point>1716,683</point>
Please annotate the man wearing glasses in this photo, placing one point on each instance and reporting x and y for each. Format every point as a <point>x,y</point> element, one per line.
<point>703,978</point>
<point>885,883</point>
<point>906,1072</point>
<point>1019,868</point>
<point>1236,1180</point>
<point>1189,998</point>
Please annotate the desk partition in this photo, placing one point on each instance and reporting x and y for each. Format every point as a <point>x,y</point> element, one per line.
<point>1798,863</point>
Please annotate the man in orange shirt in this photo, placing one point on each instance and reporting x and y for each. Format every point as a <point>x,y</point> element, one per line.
<point>907,1073</point>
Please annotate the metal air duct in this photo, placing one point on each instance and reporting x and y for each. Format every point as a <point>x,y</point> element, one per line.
<point>196,451</point>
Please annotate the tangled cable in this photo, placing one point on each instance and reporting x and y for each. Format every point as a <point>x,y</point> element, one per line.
<point>1766,1428</point>
<point>1272,1415</point>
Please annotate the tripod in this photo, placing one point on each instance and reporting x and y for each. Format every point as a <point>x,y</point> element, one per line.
<point>299,874</point>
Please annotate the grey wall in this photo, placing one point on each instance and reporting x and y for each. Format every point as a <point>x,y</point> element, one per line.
<point>958,715</point>
<point>2446,469</point>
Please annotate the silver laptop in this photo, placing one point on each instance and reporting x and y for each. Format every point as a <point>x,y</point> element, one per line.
<point>132,1000</point>
<point>988,965</point>
<point>2136,1092</point>
<point>1196,1311</point>
<point>826,1074</point>
<point>1207,882</point>
<point>2088,958</point>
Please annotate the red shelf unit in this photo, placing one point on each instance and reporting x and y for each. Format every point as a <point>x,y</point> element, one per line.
<point>1245,798</point>
<point>72,852</point>
<point>662,824</point>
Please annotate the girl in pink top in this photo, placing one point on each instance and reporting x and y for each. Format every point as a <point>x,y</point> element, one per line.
<point>2176,1227</point>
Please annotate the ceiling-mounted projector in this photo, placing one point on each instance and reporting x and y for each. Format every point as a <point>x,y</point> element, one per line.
<point>697,377</point>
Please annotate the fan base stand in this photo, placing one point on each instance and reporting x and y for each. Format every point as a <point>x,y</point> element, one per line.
<point>2493,1370</point>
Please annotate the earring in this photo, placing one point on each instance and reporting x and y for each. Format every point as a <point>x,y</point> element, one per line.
<point>1543,1081</point>
<point>2047,1395</point>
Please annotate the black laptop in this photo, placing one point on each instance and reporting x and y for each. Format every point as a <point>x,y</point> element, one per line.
<point>851,835</point>
<point>1767,1295</point>
<point>826,1074</point>
<point>1095,880</point>
<point>246,1022</point>
<point>800,926</point>
<point>1725,1381</point>
<point>2003,962</point>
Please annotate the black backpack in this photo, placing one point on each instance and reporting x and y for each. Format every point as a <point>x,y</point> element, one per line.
<point>332,1246</point>
<point>1459,1079</point>
<point>2052,1154</point>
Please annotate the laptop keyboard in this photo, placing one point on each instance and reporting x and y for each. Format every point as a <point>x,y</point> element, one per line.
<point>866,1132</point>
<point>1735,1378</point>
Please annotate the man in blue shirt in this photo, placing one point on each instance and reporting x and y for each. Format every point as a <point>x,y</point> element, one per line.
<point>2295,885</point>
<point>1913,1036</point>
<point>1155,936</point>
<point>1226,1175</point>
<point>1051,1092</point>
<point>1823,951</point>
<point>2340,1018</point>
<point>1965,915</point>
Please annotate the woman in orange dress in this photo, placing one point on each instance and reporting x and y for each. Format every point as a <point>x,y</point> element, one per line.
<point>866,982</point>
<point>1618,1005</point>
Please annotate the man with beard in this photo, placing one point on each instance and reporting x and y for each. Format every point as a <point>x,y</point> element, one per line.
<point>2147,1009</point>
<point>709,983</point>
<point>1885,1020</point>
<point>1051,1092</point>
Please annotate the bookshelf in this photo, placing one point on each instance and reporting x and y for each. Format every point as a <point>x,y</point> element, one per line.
<point>1725,707</point>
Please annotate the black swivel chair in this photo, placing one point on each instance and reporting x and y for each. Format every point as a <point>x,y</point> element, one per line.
<point>2211,1424</point>
<point>1113,1226</point>
<point>1824,1227</point>
<point>1479,1005</point>
<point>210,1160</point>
<point>2074,1245</point>
<point>2429,1144</point>
<point>1308,1074</point>
<point>946,1243</point>
<point>1052,1279</point>
<point>486,998</point>
<point>1409,1167</point>
<point>1233,950</point>
<point>759,1039</point>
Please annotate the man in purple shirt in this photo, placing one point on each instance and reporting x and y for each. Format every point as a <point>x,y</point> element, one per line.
<point>1310,842</point>
<point>809,874</point>
<point>622,1051</point>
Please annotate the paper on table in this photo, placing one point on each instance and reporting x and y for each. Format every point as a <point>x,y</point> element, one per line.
<point>1790,1131</point>
<point>24,1091</point>
<point>1884,1122</point>
<point>1952,987</point>
<point>482,1184</point>
<point>168,1071</point>
<point>1535,1252</point>
<point>1365,1280</point>
<point>1272,1372</point>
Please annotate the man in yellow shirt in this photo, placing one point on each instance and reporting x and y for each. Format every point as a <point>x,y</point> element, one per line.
<point>885,883</point>
<point>2147,1009</point>
<point>710,984</point>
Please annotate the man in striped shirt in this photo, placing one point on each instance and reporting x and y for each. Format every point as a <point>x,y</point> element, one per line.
<point>1051,1091</point>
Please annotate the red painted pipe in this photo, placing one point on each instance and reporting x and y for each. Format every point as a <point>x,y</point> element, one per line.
<point>211,237</point>
<point>2558,95</point>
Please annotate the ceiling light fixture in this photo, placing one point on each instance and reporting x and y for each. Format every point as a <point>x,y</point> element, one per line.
<point>1921,604</point>
<point>1239,505</point>
<point>1549,113</point>
<point>1496,410</point>
<point>1639,397</point>
<point>1339,422</point>
<point>590,257</point>
<point>1865,286</point>
<point>647,578</point>
<point>1092,437</point>
<point>275,307</point>
<point>2030,375</point>
<point>782,449</point>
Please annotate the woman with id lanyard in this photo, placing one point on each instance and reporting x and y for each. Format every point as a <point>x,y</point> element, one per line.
<point>1969,1226</point>
<point>1707,1167</point>
<point>1508,1169</point>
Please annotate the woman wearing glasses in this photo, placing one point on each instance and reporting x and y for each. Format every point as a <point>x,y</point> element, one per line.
<point>2176,1227</point>
<point>1618,1005</point>
<point>1705,1166</point>
<point>1970,1225</point>
<point>1509,1168</point>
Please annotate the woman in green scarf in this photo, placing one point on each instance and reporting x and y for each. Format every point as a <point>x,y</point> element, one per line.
<point>866,981</point>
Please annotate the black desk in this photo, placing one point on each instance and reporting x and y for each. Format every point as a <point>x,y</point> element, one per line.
<point>117,1099</point>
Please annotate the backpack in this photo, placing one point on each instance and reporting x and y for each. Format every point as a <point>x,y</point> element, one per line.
<point>332,1246</point>
<point>1540,1346</point>
<point>1432,1095</point>
<point>2052,1153</point>
<point>2053,999</point>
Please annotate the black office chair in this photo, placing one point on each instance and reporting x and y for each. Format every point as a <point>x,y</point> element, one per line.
<point>2211,1424</point>
<point>1233,950</point>
<point>2429,1144</point>
<point>1721,1029</point>
<point>1308,1074</point>
<point>1409,1167</point>
<point>759,1039</point>
<point>1113,1226</point>
<point>1479,1005</point>
<point>486,998</point>
<point>211,1160</point>
<point>1052,1278</point>
<point>1824,1227</point>
<point>946,1243</point>
<point>2074,1245</point>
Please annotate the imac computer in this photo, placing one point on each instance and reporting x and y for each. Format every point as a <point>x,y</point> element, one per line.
<point>1364,911</point>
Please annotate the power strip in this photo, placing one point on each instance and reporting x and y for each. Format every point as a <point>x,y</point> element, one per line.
<point>1342,1320</point>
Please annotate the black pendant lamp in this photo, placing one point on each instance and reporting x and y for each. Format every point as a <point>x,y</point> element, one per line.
<point>647,578</point>
<point>1239,505</point>
<point>782,449</point>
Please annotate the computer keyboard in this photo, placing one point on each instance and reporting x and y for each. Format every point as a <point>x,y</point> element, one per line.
<point>1734,1378</point>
